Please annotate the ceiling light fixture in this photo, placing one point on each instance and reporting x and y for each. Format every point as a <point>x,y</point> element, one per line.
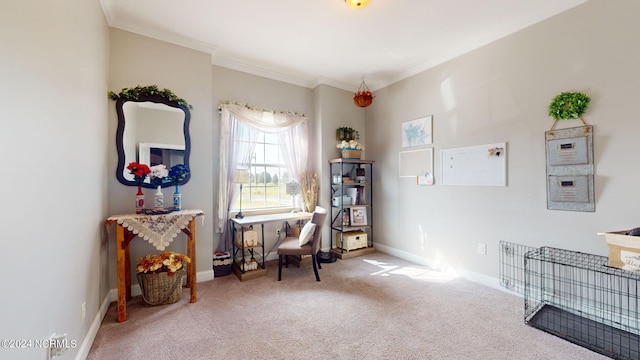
<point>357,4</point>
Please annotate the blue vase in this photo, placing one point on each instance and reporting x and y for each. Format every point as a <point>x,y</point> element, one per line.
<point>177,199</point>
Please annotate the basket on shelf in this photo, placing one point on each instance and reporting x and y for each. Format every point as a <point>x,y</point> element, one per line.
<point>161,288</point>
<point>351,154</point>
<point>222,264</point>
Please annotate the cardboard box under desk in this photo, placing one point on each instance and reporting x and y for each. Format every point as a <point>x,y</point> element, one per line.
<point>619,242</point>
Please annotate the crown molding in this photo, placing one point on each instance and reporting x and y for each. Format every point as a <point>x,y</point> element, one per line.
<point>300,80</point>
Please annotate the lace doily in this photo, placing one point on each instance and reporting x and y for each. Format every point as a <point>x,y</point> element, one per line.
<point>158,230</point>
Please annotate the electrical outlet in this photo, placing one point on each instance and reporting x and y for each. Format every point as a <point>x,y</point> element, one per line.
<point>83,310</point>
<point>482,249</point>
<point>278,232</point>
<point>57,345</point>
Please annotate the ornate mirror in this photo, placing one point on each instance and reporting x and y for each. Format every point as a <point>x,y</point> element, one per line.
<point>152,130</point>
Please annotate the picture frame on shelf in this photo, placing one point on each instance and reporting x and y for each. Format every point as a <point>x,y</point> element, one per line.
<point>345,218</point>
<point>358,216</point>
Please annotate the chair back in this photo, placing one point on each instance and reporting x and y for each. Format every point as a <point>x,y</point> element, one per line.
<point>318,218</point>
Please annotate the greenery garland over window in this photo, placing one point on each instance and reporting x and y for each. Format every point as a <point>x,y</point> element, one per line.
<point>569,105</point>
<point>136,92</point>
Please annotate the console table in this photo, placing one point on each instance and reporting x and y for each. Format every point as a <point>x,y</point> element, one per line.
<point>158,230</point>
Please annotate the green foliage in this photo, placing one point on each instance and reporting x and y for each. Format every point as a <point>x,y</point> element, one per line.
<point>347,134</point>
<point>569,105</point>
<point>136,92</point>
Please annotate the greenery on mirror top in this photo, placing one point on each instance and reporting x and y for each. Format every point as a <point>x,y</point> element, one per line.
<point>136,92</point>
<point>569,105</point>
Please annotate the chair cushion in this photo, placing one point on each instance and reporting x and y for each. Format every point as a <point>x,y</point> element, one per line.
<point>307,233</point>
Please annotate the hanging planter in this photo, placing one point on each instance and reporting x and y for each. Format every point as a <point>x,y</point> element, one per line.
<point>363,97</point>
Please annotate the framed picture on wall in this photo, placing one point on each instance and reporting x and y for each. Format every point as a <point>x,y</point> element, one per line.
<point>417,132</point>
<point>358,216</point>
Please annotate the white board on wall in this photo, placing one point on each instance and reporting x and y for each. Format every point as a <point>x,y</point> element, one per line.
<point>415,162</point>
<point>482,165</point>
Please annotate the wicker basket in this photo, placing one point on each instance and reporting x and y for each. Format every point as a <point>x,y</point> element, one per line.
<point>160,288</point>
<point>362,100</point>
<point>351,154</point>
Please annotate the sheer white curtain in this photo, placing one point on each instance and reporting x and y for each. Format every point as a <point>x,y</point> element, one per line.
<point>239,122</point>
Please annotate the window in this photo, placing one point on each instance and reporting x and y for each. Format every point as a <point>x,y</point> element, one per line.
<point>268,177</point>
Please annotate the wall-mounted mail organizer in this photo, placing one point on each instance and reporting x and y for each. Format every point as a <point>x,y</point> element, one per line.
<point>570,169</point>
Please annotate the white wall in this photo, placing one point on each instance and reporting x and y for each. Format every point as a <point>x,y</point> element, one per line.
<point>501,92</point>
<point>334,108</point>
<point>53,86</point>
<point>138,60</point>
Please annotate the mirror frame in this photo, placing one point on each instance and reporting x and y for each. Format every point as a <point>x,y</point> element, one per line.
<point>120,132</point>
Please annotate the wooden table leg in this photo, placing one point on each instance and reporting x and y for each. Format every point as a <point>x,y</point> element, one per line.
<point>120,265</point>
<point>191,252</point>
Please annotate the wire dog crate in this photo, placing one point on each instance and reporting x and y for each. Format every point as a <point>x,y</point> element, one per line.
<point>512,265</point>
<point>577,297</point>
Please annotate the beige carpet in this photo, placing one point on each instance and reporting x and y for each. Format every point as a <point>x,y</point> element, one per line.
<point>370,307</point>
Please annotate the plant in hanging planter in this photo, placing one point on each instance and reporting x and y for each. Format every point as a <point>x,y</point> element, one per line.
<point>569,105</point>
<point>363,97</point>
<point>168,261</point>
<point>139,172</point>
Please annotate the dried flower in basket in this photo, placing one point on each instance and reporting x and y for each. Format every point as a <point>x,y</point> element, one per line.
<point>167,261</point>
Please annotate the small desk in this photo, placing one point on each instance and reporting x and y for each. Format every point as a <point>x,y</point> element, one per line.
<point>158,230</point>
<point>249,221</point>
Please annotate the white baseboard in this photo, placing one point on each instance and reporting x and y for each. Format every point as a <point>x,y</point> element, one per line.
<point>83,352</point>
<point>472,276</point>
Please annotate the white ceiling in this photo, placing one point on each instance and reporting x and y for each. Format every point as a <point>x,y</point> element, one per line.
<point>311,42</point>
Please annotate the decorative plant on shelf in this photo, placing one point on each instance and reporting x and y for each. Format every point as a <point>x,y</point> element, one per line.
<point>168,261</point>
<point>136,92</point>
<point>347,133</point>
<point>569,105</point>
<point>348,138</point>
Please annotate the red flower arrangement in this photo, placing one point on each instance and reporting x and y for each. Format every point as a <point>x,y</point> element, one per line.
<point>139,171</point>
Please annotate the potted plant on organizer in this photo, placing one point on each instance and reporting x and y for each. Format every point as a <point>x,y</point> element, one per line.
<point>160,277</point>
<point>350,147</point>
